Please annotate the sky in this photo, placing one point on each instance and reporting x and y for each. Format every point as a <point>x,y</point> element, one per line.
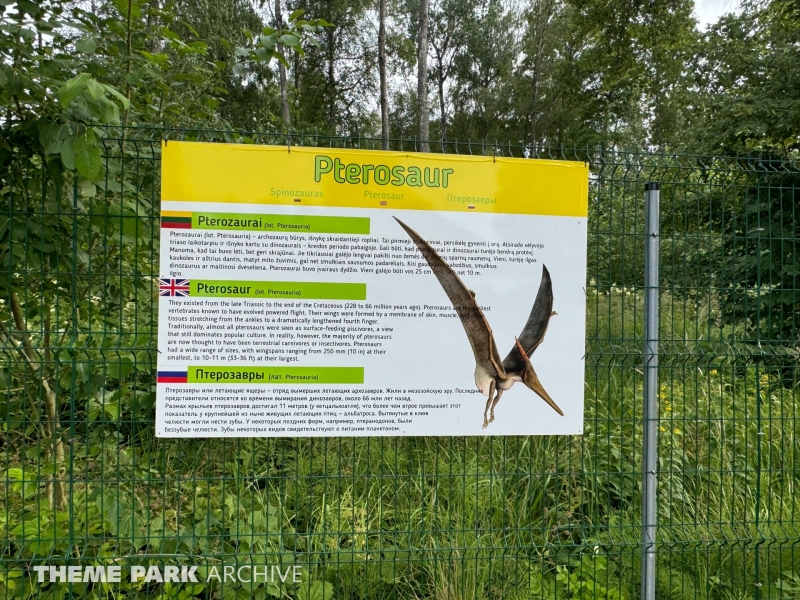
<point>708,11</point>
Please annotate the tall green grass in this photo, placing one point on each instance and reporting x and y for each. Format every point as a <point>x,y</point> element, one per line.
<point>457,518</point>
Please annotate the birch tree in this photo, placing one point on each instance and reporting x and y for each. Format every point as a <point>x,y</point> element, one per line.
<point>382,74</point>
<point>422,77</point>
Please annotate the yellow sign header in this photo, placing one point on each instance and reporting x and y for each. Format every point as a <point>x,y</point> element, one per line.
<point>253,174</point>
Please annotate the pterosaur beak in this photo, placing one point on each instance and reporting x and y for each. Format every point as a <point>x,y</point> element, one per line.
<point>537,387</point>
<point>531,380</point>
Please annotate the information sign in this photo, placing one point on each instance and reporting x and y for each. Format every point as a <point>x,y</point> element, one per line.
<point>322,292</point>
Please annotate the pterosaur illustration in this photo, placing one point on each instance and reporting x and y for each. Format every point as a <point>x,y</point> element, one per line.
<point>492,376</point>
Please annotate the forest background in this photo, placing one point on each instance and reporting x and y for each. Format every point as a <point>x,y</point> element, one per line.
<point>621,73</point>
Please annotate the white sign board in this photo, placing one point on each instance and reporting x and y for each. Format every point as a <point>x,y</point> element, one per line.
<point>312,292</point>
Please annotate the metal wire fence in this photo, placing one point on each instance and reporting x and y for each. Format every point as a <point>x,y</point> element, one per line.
<point>86,483</point>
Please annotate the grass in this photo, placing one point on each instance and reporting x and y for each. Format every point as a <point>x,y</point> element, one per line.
<point>457,518</point>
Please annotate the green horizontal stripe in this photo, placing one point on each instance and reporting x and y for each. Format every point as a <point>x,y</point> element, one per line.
<point>287,290</point>
<point>276,375</point>
<point>176,219</point>
<point>281,223</point>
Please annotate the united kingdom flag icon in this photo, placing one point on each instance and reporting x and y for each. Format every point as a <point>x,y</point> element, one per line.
<point>173,287</point>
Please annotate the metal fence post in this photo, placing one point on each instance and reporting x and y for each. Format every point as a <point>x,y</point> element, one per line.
<point>650,413</point>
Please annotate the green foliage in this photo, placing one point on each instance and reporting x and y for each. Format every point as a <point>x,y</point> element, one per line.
<point>746,104</point>
<point>332,89</point>
<point>788,586</point>
<point>587,578</point>
<point>266,47</point>
<point>192,520</point>
<point>746,67</point>
<point>73,213</point>
<point>760,259</point>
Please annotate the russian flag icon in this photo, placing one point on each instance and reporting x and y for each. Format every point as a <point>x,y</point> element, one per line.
<point>172,376</point>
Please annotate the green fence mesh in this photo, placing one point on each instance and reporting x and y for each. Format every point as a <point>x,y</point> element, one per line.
<point>84,481</point>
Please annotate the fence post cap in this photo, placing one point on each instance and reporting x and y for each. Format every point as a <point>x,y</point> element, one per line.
<point>652,186</point>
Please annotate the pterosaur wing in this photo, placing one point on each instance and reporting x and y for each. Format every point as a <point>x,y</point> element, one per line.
<point>534,330</point>
<point>472,317</point>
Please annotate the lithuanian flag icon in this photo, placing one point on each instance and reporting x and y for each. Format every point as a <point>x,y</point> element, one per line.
<point>176,220</point>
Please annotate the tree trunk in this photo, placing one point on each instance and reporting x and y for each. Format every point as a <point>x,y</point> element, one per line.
<point>296,71</point>
<point>534,108</point>
<point>55,486</point>
<point>382,70</point>
<point>541,24</point>
<point>422,76</point>
<point>282,70</point>
<point>152,26</point>
<point>442,109</point>
<point>331,83</point>
<point>128,50</point>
